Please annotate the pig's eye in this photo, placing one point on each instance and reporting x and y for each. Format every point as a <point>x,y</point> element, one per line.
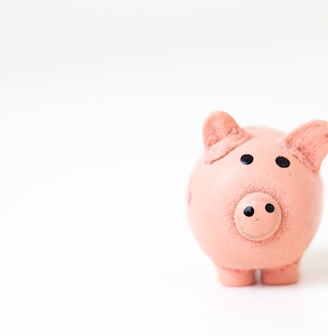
<point>246,159</point>
<point>282,162</point>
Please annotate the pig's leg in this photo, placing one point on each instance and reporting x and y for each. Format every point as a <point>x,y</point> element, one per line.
<point>284,275</point>
<point>233,277</point>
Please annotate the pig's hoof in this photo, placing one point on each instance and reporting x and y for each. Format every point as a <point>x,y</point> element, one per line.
<point>284,275</point>
<point>236,278</point>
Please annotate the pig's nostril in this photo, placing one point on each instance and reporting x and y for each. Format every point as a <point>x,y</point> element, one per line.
<point>269,207</point>
<point>249,211</point>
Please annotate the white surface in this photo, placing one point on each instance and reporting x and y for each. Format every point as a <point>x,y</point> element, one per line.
<point>101,109</point>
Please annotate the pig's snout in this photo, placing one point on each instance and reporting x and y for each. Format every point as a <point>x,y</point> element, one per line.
<point>257,216</point>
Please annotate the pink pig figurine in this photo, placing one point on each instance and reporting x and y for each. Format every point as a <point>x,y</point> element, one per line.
<point>255,198</point>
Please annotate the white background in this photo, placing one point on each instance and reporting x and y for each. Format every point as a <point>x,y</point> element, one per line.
<point>101,110</point>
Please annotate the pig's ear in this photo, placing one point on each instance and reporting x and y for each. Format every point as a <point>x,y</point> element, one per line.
<point>309,143</point>
<point>221,135</point>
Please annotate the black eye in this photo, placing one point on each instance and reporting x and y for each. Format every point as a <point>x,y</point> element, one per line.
<point>282,162</point>
<point>246,159</point>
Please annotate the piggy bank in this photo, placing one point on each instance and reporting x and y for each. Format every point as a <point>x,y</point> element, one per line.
<point>255,198</point>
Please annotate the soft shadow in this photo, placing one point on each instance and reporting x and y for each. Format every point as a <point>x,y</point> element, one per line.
<point>314,266</point>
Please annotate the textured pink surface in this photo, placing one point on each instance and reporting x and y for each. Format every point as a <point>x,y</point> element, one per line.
<point>260,215</point>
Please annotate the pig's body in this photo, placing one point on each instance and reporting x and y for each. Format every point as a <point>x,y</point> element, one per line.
<point>254,206</point>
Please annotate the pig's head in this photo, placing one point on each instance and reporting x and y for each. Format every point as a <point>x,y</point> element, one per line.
<point>257,186</point>
<point>258,213</point>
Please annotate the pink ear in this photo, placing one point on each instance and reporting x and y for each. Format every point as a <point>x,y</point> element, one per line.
<point>221,135</point>
<point>309,143</point>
